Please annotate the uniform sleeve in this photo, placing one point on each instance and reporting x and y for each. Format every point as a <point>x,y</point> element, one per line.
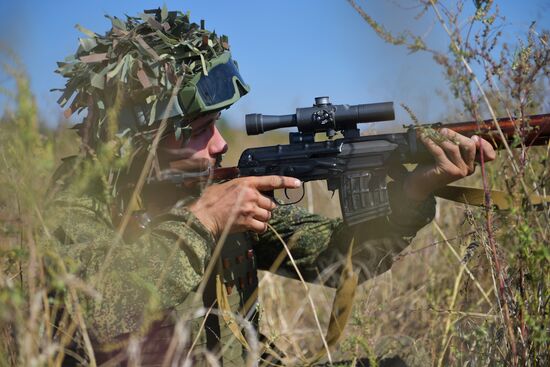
<point>319,245</point>
<point>155,272</point>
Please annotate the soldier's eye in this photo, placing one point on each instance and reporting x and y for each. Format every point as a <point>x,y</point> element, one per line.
<point>202,129</point>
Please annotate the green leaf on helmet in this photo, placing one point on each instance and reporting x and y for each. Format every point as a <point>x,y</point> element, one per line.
<point>211,49</point>
<point>138,60</point>
<point>146,49</point>
<point>98,79</point>
<point>62,101</point>
<point>172,42</point>
<point>203,62</point>
<point>87,32</point>
<point>111,74</point>
<point>128,63</point>
<point>164,12</point>
<point>116,23</point>
<point>88,44</point>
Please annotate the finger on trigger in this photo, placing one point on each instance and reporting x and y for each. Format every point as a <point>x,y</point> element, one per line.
<point>268,183</point>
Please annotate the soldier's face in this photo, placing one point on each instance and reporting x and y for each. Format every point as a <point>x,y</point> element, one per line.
<point>205,141</point>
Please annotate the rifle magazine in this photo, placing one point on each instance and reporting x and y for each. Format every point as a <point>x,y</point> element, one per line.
<point>364,196</point>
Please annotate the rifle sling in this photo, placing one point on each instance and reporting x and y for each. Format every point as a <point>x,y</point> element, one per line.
<point>475,196</point>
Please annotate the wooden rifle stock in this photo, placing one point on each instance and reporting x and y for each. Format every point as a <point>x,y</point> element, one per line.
<point>534,130</point>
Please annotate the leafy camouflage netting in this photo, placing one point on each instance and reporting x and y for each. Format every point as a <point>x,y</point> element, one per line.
<point>128,75</point>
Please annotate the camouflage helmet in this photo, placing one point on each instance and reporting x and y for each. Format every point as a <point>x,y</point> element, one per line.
<point>155,66</point>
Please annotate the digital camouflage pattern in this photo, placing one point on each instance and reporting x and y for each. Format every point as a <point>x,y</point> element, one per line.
<point>152,279</point>
<point>157,270</point>
<point>320,244</point>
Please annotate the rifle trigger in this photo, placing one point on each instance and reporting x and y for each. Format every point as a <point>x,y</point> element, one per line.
<point>270,194</point>
<point>301,197</point>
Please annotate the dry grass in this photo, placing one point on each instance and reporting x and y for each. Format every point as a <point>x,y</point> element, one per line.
<point>472,289</point>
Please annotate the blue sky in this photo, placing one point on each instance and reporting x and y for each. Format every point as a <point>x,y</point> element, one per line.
<point>289,51</point>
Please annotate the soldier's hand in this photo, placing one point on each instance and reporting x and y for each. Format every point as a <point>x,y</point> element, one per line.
<point>454,159</point>
<point>239,204</point>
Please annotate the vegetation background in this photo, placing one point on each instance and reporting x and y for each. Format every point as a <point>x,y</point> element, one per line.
<point>472,289</point>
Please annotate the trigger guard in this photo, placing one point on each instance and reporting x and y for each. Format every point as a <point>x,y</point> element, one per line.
<point>297,201</point>
<point>277,201</point>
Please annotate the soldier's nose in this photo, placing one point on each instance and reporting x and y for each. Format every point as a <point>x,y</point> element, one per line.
<point>217,145</point>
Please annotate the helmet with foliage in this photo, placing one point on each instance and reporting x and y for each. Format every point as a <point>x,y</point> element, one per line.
<point>155,66</point>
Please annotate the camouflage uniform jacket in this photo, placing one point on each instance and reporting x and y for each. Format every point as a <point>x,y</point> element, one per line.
<point>150,282</point>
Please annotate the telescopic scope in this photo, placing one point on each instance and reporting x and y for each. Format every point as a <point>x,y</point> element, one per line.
<point>322,117</point>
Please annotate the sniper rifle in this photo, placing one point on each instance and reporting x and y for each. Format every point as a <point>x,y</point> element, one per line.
<point>357,166</point>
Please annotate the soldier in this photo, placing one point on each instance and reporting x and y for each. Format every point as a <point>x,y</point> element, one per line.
<point>153,87</point>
